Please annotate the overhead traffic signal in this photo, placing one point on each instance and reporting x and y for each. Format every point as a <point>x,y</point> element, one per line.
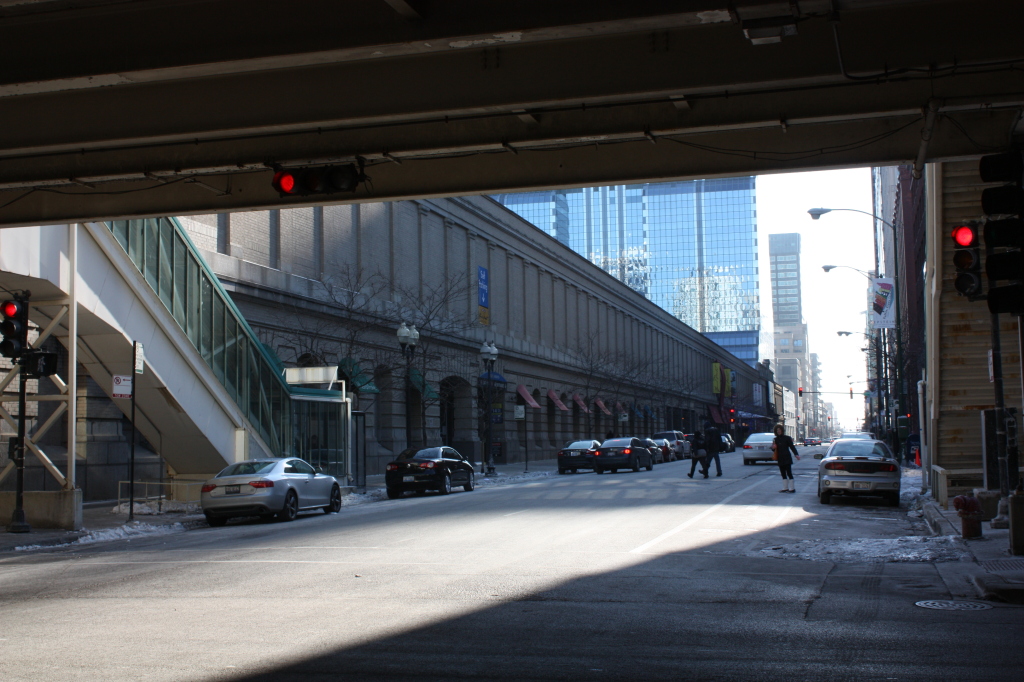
<point>851,393</point>
<point>300,182</point>
<point>732,415</point>
<point>967,260</point>
<point>1006,231</point>
<point>14,327</point>
<point>800,392</point>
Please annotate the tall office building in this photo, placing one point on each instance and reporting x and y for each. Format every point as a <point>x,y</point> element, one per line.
<point>787,303</point>
<point>690,247</point>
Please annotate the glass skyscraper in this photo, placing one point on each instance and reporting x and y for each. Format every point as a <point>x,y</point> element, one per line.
<point>690,247</point>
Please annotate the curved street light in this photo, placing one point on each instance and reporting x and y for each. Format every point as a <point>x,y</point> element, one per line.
<point>815,214</point>
<point>408,337</point>
<point>488,354</point>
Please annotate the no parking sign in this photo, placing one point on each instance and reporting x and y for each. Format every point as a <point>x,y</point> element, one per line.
<point>122,386</point>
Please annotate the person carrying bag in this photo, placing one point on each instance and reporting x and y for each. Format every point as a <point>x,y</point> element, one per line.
<point>698,454</point>
<point>782,446</point>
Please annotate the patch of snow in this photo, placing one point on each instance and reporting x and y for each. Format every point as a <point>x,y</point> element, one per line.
<point>129,531</point>
<point>373,495</point>
<point>505,479</point>
<point>890,550</point>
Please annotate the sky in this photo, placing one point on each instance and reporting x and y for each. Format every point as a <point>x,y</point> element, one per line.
<point>833,301</point>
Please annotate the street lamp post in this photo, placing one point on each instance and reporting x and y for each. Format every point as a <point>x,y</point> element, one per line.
<point>815,214</point>
<point>488,354</point>
<point>883,399</point>
<point>408,336</point>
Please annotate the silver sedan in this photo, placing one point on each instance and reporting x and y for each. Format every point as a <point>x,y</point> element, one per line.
<point>859,467</point>
<point>266,488</point>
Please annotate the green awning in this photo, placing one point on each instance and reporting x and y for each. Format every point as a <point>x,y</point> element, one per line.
<point>421,385</point>
<point>359,381</point>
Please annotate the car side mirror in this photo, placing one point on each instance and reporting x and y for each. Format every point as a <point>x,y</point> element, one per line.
<point>318,469</point>
<point>819,456</point>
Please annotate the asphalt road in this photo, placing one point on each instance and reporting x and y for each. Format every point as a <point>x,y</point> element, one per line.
<point>628,576</point>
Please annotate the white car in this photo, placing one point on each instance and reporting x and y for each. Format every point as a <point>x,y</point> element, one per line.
<point>854,466</point>
<point>758,448</point>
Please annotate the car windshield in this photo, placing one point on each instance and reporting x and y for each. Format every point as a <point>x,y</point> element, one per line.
<point>617,443</point>
<point>760,437</point>
<point>859,448</point>
<point>248,468</point>
<point>420,453</point>
<point>667,435</point>
<point>580,445</point>
<point>860,436</point>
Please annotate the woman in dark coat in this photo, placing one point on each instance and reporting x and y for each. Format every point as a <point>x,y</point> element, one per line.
<point>783,446</point>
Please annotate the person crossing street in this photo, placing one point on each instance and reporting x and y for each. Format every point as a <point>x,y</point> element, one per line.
<point>783,445</point>
<point>713,444</point>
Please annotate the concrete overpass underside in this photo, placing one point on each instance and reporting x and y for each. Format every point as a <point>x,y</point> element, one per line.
<point>111,109</point>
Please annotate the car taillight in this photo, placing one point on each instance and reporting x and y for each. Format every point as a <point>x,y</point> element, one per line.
<point>626,451</point>
<point>592,452</point>
<point>748,447</point>
<point>208,488</point>
<point>392,467</point>
<point>887,467</point>
<point>261,484</point>
<point>835,465</point>
<point>561,453</point>
<point>426,465</point>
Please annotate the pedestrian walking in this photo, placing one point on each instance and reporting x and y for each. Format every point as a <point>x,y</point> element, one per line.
<point>713,441</point>
<point>697,454</point>
<point>783,445</point>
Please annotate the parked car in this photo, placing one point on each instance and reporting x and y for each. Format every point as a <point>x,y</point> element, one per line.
<point>577,455</point>
<point>808,442</point>
<point>758,448</point>
<point>668,453</point>
<point>855,466</point>
<point>280,487</point>
<point>677,439</point>
<point>423,469</point>
<point>728,445</point>
<point>622,453</point>
<point>657,449</point>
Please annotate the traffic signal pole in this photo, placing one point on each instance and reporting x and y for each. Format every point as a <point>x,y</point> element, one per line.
<point>19,524</point>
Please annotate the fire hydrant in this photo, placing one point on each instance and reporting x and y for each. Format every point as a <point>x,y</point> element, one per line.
<point>969,511</point>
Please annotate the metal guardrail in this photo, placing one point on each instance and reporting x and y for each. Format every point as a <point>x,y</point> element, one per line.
<point>162,493</point>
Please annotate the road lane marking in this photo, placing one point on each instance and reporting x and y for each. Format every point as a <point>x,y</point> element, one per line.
<point>518,512</point>
<point>685,524</point>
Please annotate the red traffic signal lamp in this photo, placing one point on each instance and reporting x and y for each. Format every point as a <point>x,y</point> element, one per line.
<point>851,393</point>
<point>14,328</point>
<point>800,392</point>
<point>732,415</point>
<point>300,182</point>
<point>967,260</point>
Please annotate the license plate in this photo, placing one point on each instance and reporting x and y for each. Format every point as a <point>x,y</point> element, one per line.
<point>231,489</point>
<point>857,485</point>
<point>408,479</point>
<point>574,453</point>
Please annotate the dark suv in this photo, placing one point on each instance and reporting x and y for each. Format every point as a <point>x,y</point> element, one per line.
<point>622,453</point>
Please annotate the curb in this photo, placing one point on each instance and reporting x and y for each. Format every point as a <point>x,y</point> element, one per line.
<point>995,588</point>
<point>48,542</point>
<point>937,521</point>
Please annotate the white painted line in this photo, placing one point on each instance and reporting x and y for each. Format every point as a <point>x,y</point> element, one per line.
<point>686,524</point>
<point>518,512</point>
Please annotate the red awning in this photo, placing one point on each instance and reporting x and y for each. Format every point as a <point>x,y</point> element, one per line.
<point>579,401</point>
<point>604,409</point>
<point>553,397</point>
<point>525,394</point>
<point>716,416</point>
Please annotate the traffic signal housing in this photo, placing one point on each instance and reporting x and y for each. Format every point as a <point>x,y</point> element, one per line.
<point>301,182</point>
<point>1004,230</point>
<point>14,328</point>
<point>967,260</point>
<point>800,392</point>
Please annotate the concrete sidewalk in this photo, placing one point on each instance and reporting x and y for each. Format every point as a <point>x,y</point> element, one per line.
<point>999,575</point>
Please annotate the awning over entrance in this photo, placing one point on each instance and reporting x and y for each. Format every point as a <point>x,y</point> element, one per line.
<point>357,379</point>
<point>579,401</point>
<point>553,397</point>
<point>524,393</point>
<point>604,409</point>
<point>421,385</point>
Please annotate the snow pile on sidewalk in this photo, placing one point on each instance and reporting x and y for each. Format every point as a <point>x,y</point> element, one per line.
<point>504,479</point>
<point>889,550</point>
<point>373,495</point>
<point>165,507</point>
<point>129,531</point>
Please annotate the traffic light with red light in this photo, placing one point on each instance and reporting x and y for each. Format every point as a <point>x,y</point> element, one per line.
<point>967,260</point>
<point>14,328</point>
<point>1004,230</point>
<point>732,415</point>
<point>851,393</point>
<point>300,182</point>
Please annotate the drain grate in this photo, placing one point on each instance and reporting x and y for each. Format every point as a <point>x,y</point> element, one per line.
<point>1003,565</point>
<point>946,605</point>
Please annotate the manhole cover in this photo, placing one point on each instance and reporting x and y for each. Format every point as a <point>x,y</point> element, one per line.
<point>946,605</point>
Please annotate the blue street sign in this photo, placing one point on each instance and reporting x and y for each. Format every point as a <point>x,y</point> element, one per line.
<point>483,288</point>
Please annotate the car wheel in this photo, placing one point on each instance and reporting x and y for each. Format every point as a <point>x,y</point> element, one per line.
<point>420,492</point>
<point>636,464</point>
<point>395,493</point>
<point>746,462</point>
<point>825,497</point>
<point>561,471</point>
<point>650,464</point>
<point>335,505</point>
<point>894,499</point>
<point>471,483</point>
<point>216,521</point>
<point>446,485</point>
<point>291,507</point>
<point>615,470</point>
<point>574,471</point>
<point>598,470</point>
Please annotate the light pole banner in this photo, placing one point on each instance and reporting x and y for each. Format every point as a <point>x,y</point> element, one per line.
<point>883,303</point>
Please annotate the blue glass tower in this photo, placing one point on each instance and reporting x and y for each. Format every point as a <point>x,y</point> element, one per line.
<point>690,247</point>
